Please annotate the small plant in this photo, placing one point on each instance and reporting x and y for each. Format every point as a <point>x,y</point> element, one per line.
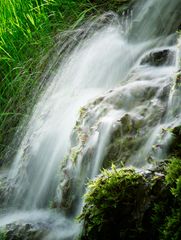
<point>173,171</point>
<point>172,227</point>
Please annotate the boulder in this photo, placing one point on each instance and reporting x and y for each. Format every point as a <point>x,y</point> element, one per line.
<point>113,129</point>
<point>119,204</point>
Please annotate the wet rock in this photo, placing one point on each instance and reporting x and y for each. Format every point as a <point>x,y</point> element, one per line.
<point>2,192</point>
<point>4,189</point>
<point>178,80</point>
<point>136,114</point>
<point>25,231</point>
<point>113,129</point>
<point>148,24</point>
<point>159,58</point>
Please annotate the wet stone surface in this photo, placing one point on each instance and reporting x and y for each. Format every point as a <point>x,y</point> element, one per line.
<point>25,231</point>
<point>160,58</point>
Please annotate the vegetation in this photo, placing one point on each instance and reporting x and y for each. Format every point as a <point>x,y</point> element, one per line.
<point>106,205</point>
<point>2,234</point>
<point>121,203</point>
<point>28,31</point>
<point>167,214</point>
<point>118,205</point>
<point>126,204</point>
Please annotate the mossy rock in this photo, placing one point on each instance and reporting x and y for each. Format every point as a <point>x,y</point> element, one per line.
<point>25,231</point>
<point>119,203</point>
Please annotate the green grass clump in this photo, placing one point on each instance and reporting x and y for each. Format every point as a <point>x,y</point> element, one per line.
<point>27,33</point>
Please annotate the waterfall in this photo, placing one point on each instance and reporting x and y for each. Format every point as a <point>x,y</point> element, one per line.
<point>110,77</point>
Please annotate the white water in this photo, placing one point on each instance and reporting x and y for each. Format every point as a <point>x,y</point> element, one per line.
<point>106,59</point>
<point>93,68</point>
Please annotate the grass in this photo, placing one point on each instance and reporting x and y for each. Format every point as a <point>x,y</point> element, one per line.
<point>27,33</point>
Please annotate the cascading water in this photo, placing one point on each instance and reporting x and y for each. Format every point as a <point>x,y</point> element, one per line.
<point>120,67</point>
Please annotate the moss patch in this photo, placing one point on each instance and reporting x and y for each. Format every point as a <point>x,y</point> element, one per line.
<point>119,202</point>
<point>170,224</point>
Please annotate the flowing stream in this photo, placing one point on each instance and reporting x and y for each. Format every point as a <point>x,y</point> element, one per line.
<point>112,74</point>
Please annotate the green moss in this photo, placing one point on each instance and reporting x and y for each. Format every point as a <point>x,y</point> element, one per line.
<point>167,213</point>
<point>117,205</point>
<point>175,147</point>
<point>173,171</point>
<point>128,204</point>
<point>172,227</point>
